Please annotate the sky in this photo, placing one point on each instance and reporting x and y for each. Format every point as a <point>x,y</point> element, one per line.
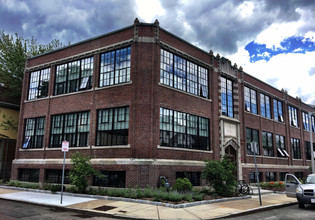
<point>273,40</point>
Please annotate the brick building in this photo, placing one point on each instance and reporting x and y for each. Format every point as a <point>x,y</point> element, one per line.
<point>9,118</point>
<point>144,103</point>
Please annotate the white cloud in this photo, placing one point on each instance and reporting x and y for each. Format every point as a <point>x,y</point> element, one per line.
<point>276,33</point>
<point>288,71</point>
<point>149,10</point>
<point>246,9</point>
<point>17,6</point>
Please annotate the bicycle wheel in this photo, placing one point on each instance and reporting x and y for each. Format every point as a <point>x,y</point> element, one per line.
<point>245,190</point>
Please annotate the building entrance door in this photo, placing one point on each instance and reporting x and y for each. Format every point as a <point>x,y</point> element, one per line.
<point>230,153</point>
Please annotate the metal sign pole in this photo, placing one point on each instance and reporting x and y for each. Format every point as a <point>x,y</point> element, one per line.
<point>64,148</point>
<point>63,175</point>
<point>254,145</point>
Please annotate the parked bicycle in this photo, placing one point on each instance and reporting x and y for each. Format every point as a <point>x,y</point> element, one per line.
<point>242,188</point>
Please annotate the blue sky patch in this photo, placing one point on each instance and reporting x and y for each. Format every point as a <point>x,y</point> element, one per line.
<point>292,44</point>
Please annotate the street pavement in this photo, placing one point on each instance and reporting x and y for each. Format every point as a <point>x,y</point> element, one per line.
<point>138,209</point>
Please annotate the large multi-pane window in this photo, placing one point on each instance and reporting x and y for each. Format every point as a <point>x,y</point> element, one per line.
<point>227,97</point>
<point>115,67</point>
<point>265,109</point>
<point>55,176</point>
<point>178,129</point>
<point>184,75</point>
<point>293,116</point>
<point>39,81</point>
<point>313,123</point>
<point>28,175</point>
<point>306,122</point>
<point>295,143</point>
<point>270,176</point>
<point>74,76</point>
<point>112,126</point>
<point>110,179</point>
<point>280,144</point>
<point>308,152</point>
<point>253,177</point>
<point>252,135</point>
<point>277,110</point>
<point>250,100</point>
<point>267,142</point>
<point>73,127</point>
<point>34,132</point>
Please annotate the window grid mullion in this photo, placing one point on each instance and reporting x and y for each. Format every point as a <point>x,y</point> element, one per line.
<point>113,118</point>
<point>76,129</point>
<point>35,127</point>
<point>38,84</point>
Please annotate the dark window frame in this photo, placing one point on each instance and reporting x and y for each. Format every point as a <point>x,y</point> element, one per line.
<point>184,75</point>
<point>306,122</point>
<point>250,137</point>
<point>112,131</point>
<point>227,102</point>
<point>34,132</point>
<point>184,130</point>
<point>115,179</point>
<point>267,143</point>
<point>280,145</point>
<point>265,106</point>
<point>253,178</point>
<point>55,176</point>
<point>73,76</point>
<point>278,110</point>
<point>28,175</point>
<point>250,100</point>
<point>293,116</point>
<point>39,84</point>
<point>270,176</point>
<point>117,68</point>
<point>76,133</point>
<point>296,148</point>
<point>308,152</point>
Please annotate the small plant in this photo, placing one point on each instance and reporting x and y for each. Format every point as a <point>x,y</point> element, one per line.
<point>21,184</point>
<point>81,170</point>
<point>182,185</point>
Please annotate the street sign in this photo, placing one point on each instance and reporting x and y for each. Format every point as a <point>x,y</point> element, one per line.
<point>65,146</point>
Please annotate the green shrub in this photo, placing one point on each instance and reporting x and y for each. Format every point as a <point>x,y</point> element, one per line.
<point>81,170</point>
<point>13,183</point>
<point>174,196</point>
<point>182,185</point>
<point>21,184</point>
<point>188,197</point>
<point>220,176</point>
<point>198,197</point>
<point>73,189</point>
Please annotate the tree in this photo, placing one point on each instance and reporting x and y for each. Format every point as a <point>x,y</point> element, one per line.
<point>81,170</point>
<point>219,175</point>
<point>14,51</point>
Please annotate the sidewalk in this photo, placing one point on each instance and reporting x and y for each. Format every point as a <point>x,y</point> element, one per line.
<point>135,210</point>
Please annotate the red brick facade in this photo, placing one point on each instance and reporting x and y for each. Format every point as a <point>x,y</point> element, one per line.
<point>143,159</point>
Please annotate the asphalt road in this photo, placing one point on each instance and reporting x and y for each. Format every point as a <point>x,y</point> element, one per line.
<point>289,212</point>
<point>11,210</point>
